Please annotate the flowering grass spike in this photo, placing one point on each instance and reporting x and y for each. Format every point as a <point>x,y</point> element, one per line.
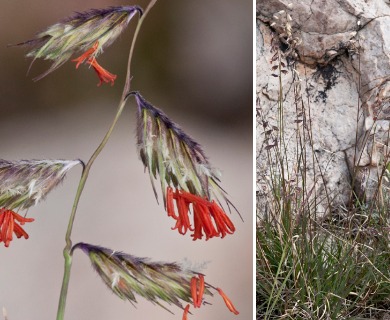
<point>9,225</point>
<point>88,32</point>
<point>186,176</point>
<point>157,282</point>
<point>24,183</point>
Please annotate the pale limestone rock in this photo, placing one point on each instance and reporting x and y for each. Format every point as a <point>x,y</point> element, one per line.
<point>342,54</point>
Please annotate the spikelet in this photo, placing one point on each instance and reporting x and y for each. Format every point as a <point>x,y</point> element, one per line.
<point>188,182</point>
<point>26,182</point>
<point>168,152</point>
<point>96,28</point>
<point>127,276</point>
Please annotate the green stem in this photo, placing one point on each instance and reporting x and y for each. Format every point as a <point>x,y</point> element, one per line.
<point>68,247</point>
<point>67,250</point>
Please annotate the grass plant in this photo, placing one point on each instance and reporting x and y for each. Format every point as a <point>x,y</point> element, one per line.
<point>312,264</point>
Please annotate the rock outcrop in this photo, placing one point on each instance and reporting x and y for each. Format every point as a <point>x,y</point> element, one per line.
<point>335,84</point>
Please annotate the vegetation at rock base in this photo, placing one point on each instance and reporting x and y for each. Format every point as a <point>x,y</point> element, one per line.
<point>311,265</point>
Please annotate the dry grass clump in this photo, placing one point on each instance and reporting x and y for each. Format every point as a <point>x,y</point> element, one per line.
<point>336,267</point>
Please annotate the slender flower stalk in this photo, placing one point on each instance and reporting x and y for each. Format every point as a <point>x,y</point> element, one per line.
<point>9,225</point>
<point>68,247</point>
<point>185,174</point>
<point>89,32</point>
<point>127,275</point>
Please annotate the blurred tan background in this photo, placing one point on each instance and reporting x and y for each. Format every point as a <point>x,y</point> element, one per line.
<point>194,60</point>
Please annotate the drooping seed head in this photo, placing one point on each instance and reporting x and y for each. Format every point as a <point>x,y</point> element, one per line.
<point>25,182</point>
<point>79,33</point>
<point>167,151</point>
<point>127,276</point>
